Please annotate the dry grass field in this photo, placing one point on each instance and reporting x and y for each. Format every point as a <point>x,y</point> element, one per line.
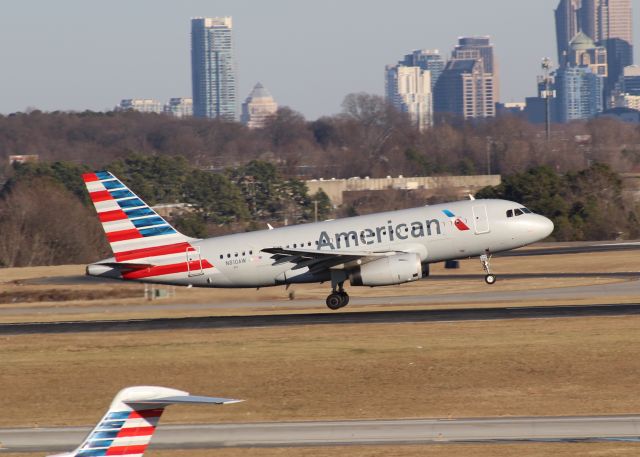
<point>464,369</point>
<point>484,450</point>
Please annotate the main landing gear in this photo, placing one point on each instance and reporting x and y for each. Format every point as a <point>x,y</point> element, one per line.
<point>489,278</point>
<point>338,298</point>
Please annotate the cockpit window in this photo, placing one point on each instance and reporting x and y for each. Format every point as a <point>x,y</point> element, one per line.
<point>526,210</point>
<point>518,212</point>
<point>510,213</point>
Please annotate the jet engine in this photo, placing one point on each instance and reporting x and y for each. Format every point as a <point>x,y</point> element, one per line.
<point>387,271</point>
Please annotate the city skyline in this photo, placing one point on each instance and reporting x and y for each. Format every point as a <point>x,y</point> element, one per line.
<point>89,66</point>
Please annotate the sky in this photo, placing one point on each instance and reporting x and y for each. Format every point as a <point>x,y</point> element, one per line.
<point>89,54</point>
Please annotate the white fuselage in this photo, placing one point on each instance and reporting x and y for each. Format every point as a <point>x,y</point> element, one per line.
<point>476,227</point>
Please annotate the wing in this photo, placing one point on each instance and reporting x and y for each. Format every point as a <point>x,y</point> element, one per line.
<point>317,260</point>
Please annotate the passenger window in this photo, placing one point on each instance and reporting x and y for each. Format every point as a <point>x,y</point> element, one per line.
<point>243,254</point>
<point>228,255</point>
<point>518,212</point>
<point>510,213</point>
<point>250,252</point>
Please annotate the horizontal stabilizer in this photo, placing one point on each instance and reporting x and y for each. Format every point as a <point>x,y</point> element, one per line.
<point>186,399</point>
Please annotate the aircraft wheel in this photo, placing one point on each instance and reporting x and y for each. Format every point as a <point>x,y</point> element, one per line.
<point>334,301</point>
<point>490,279</point>
<point>345,298</point>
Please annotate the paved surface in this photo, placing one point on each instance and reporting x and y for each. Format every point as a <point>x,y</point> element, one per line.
<point>278,320</point>
<point>625,428</point>
<point>629,287</point>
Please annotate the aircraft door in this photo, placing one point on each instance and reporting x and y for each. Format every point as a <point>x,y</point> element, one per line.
<point>194,262</point>
<point>480,219</point>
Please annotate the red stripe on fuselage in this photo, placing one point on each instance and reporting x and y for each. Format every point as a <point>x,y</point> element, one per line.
<point>90,177</point>
<point>136,431</point>
<point>152,251</point>
<point>110,216</point>
<point>100,196</point>
<point>122,235</point>
<point>161,270</point>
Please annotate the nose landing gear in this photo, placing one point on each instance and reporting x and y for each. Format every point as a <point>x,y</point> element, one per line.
<point>489,278</point>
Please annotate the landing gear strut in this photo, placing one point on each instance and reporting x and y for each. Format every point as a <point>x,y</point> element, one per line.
<point>338,298</point>
<point>489,278</point>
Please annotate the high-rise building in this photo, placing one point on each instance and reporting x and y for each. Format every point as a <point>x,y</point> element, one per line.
<point>566,26</point>
<point>631,80</point>
<point>610,22</point>
<point>212,68</point>
<point>143,105</point>
<point>179,107</point>
<point>258,106</point>
<point>427,60</point>
<point>579,93</point>
<point>408,88</point>
<point>479,48</point>
<point>465,90</point>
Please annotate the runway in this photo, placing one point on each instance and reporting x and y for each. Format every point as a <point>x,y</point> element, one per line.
<point>286,434</point>
<point>368,317</point>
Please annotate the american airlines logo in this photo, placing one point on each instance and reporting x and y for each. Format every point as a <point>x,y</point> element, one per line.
<point>385,233</point>
<point>456,220</point>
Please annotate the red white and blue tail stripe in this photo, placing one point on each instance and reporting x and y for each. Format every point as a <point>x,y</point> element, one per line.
<point>145,246</point>
<point>127,427</point>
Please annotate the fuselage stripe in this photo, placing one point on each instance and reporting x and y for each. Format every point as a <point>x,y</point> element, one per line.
<point>152,251</point>
<point>161,270</point>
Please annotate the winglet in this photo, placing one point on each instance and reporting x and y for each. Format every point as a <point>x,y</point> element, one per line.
<point>127,427</point>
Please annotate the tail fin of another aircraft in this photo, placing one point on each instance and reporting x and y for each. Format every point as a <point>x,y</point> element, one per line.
<point>127,427</point>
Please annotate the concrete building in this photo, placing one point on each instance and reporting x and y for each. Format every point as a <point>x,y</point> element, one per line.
<point>143,105</point>
<point>258,106</point>
<point>579,93</point>
<point>212,68</point>
<point>409,90</point>
<point>179,107</point>
<point>427,60</point>
<point>465,90</point>
<point>583,52</point>
<point>462,186</point>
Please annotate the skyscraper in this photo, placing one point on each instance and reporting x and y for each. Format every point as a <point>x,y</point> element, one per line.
<point>608,23</point>
<point>480,48</point>
<point>427,60</point>
<point>212,68</point>
<point>409,90</point>
<point>579,93</point>
<point>465,90</point>
<point>566,26</point>
<point>258,106</point>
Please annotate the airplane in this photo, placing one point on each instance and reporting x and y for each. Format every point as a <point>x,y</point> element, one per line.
<point>127,427</point>
<point>379,249</point>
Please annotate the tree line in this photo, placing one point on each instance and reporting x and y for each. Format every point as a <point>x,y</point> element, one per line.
<point>367,138</point>
<point>46,216</point>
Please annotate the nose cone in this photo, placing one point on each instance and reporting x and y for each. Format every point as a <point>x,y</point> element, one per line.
<point>540,227</point>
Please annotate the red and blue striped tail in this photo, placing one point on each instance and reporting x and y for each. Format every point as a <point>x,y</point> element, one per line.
<point>133,229</point>
<point>122,433</point>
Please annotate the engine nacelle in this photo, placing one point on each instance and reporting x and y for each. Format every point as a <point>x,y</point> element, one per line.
<point>387,271</point>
